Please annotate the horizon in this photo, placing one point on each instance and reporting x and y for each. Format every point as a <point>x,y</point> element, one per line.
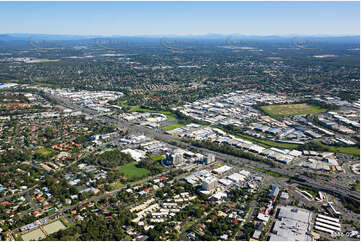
<point>189,35</point>
<point>141,19</point>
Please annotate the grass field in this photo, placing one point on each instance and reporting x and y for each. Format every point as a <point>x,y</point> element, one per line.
<point>356,186</point>
<point>169,115</point>
<point>272,173</point>
<point>36,234</point>
<point>54,227</point>
<point>262,142</point>
<point>351,150</point>
<point>172,126</point>
<point>131,171</point>
<point>313,192</point>
<point>268,143</point>
<point>285,110</point>
<point>45,152</point>
<point>158,158</point>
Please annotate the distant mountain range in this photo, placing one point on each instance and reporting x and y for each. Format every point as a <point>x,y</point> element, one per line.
<point>208,36</point>
<point>21,37</point>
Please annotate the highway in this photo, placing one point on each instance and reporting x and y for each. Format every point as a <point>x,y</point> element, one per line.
<point>319,183</point>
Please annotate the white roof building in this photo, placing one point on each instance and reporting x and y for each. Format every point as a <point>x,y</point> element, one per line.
<point>135,154</point>
<point>222,169</point>
<point>293,225</point>
<point>236,178</point>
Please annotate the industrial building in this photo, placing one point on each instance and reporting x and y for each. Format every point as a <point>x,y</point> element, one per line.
<point>292,225</point>
<point>327,224</point>
<point>222,169</point>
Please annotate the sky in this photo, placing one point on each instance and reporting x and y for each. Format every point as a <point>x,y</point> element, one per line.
<point>181,18</point>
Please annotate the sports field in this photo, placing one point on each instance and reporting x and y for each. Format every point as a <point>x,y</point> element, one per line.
<point>131,171</point>
<point>54,227</point>
<point>285,110</point>
<point>45,152</point>
<point>36,234</point>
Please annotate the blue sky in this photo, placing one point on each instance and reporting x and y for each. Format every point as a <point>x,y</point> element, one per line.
<point>153,18</point>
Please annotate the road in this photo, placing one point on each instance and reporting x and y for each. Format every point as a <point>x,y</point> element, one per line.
<point>319,183</point>
<point>18,193</point>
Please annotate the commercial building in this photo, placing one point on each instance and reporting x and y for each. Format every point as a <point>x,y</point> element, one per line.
<point>236,178</point>
<point>210,183</point>
<point>327,224</point>
<point>175,159</point>
<point>211,158</point>
<point>274,191</point>
<point>292,225</point>
<point>222,169</point>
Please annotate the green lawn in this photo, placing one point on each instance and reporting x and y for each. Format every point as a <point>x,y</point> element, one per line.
<point>268,143</point>
<point>169,115</point>
<point>350,150</point>
<point>172,126</point>
<point>272,173</point>
<point>313,192</point>
<point>285,110</point>
<point>131,171</point>
<point>45,152</point>
<point>262,142</point>
<point>158,158</point>
<point>353,151</point>
<point>356,186</point>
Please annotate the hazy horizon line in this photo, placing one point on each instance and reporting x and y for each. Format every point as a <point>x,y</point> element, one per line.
<point>188,35</point>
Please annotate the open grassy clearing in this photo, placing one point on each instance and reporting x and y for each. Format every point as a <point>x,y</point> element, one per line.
<point>36,234</point>
<point>356,186</point>
<point>54,227</point>
<point>158,158</point>
<point>262,142</point>
<point>272,173</point>
<point>45,152</point>
<point>172,126</point>
<point>169,115</point>
<point>131,171</point>
<point>285,110</point>
<point>347,150</point>
<point>313,192</point>
<point>268,143</point>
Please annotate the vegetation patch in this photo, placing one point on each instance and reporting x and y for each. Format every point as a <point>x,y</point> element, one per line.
<point>272,173</point>
<point>318,146</point>
<point>36,234</point>
<point>44,153</point>
<point>315,145</point>
<point>132,171</point>
<point>169,114</point>
<point>262,142</point>
<point>158,158</point>
<point>353,151</point>
<point>285,110</point>
<point>356,186</point>
<point>310,190</point>
<point>172,126</point>
<point>54,227</point>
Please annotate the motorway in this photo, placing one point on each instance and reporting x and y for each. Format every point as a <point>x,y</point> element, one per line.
<point>319,183</point>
